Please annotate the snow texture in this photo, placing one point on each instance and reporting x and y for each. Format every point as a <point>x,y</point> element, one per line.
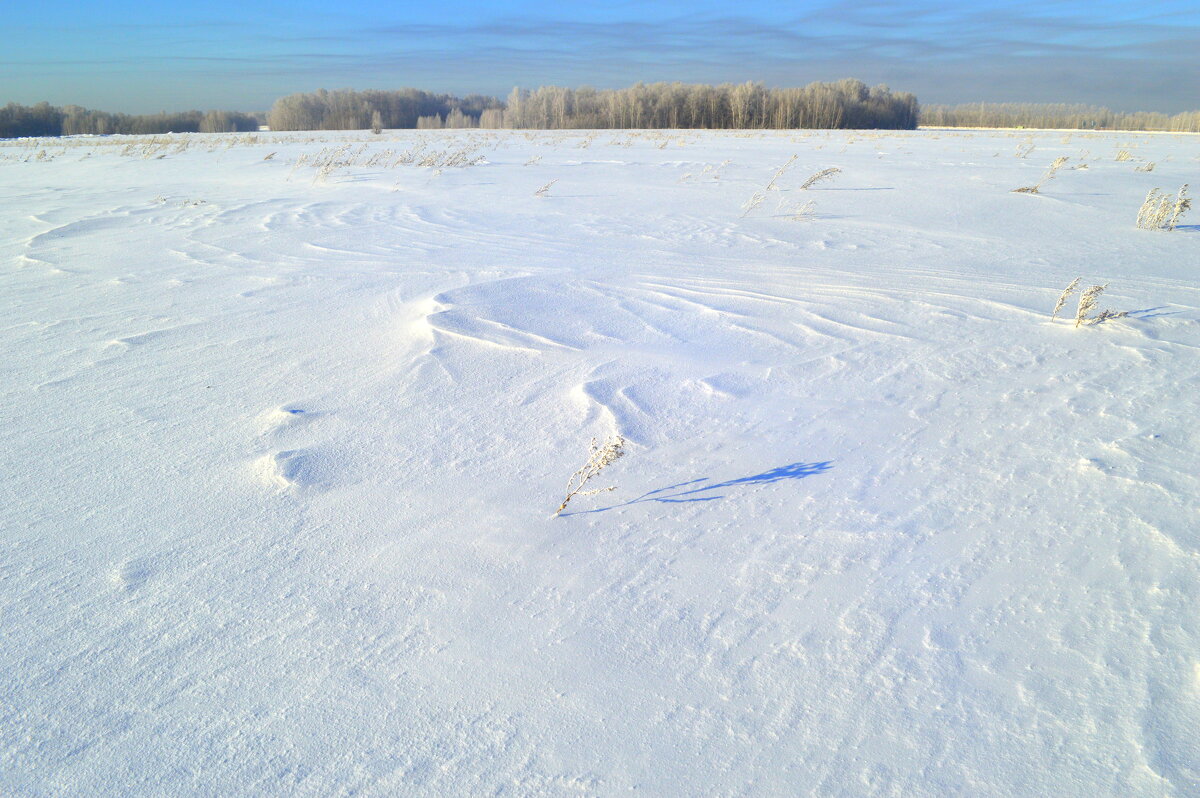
<point>282,437</point>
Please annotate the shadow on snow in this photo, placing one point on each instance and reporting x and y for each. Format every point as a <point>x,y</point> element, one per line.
<point>694,491</point>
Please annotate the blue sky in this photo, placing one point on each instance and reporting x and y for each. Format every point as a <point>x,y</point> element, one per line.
<point>142,55</point>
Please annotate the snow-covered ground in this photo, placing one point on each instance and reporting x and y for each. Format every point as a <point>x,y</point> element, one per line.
<point>284,419</point>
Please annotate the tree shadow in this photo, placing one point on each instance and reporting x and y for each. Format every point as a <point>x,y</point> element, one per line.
<point>693,491</point>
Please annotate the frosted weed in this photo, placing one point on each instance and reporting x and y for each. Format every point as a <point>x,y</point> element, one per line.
<point>1050,173</point>
<point>803,211</point>
<point>1062,300</point>
<point>824,174</point>
<point>1161,211</point>
<point>1088,301</point>
<point>600,456</point>
<point>779,173</point>
<point>755,200</point>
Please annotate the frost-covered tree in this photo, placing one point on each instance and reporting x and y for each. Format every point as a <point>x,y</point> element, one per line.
<point>1055,115</point>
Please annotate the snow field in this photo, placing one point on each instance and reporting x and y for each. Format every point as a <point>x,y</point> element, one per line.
<point>282,440</point>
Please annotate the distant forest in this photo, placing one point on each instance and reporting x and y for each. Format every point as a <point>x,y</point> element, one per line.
<point>345,109</point>
<point>1051,115</point>
<point>45,119</point>
<point>844,104</point>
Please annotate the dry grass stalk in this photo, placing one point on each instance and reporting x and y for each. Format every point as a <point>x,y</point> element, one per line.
<point>600,456</point>
<point>1087,302</point>
<point>1036,187</point>
<point>1062,300</point>
<point>1161,211</point>
<point>824,174</point>
<point>755,200</point>
<point>779,173</point>
<point>1150,215</point>
<point>1106,314</point>
<point>1124,155</point>
<point>1182,203</point>
<point>541,192</point>
<point>804,211</point>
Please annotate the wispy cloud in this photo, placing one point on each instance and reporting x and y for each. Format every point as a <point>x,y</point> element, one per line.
<point>1141,57</point>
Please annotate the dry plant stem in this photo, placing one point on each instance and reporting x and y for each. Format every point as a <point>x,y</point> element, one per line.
<point>1062,300</point>
<point>779,173</point>
<point>1149,210</point>
<point>1182,204</point>
<point>600,456</point>
<point>1162,211</point>
<point>1087,301</point>
<point>824,174</point>
<point>804,211</point>
<point>1106,314</point>
<point>541,192</point>
<point>755,200</point>
<point>1036,187</point>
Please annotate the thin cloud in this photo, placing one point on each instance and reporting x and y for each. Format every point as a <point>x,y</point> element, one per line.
<point>1142,60</point>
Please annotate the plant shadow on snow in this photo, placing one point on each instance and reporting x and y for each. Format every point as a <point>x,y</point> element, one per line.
<point>1150,313</point>
<point>691,490</point>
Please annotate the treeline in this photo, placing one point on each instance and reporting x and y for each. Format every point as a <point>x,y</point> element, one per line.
<point>44,119</point>
<point>346,109</point>
<point>1053,115</point>
<point>844,104</point>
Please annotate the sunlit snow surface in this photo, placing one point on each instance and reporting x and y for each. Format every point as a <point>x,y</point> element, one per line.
<point>282,438</point>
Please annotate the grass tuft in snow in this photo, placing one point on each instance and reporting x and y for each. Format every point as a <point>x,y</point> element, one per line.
<point>1087,303</point>
<point>1161,211</point>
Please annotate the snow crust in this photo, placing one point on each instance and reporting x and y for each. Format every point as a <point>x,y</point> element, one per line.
<point>284,419</point>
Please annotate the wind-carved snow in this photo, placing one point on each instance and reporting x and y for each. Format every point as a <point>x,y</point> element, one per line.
<point>281,452</point>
